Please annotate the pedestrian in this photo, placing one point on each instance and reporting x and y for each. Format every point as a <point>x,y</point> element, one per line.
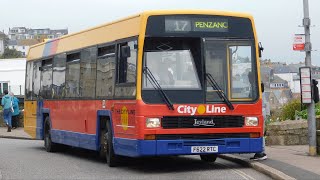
<point>16,111</point>
<point>7,104</point>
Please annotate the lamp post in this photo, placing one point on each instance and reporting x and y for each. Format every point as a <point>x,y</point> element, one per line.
<point>311,111</point>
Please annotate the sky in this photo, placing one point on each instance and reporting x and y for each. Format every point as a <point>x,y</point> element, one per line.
<point>276,20</point>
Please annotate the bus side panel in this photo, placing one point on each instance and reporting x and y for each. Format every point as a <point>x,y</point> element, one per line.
<point>66,115</point>
<point>123,119</point>
<point>73,122</point>
<point>30,118</point>
<point>125,126</point>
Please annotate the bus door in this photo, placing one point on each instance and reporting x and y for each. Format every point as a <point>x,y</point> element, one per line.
<point>30,117</point>
<point>31,103</point>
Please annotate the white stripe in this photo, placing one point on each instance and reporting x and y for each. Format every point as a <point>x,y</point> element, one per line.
<point>125,126</point>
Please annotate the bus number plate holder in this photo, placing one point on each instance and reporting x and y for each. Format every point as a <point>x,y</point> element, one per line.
<point>204,149</point>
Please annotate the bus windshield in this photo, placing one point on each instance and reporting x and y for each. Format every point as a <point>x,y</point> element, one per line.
<point>173,69</point>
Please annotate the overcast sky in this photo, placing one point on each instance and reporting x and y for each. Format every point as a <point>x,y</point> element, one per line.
<point>276,20</point>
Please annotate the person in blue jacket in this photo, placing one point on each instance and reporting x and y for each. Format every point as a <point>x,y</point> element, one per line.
<point>16,111</point>
<point>6,102</point>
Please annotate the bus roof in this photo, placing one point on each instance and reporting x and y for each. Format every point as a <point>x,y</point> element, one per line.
<point>129,26</point>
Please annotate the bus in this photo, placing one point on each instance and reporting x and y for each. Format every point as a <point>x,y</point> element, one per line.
<point>160,83</point>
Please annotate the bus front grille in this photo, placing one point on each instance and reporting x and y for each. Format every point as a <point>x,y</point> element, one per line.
<point>169,122</point>
<point>200,136</point>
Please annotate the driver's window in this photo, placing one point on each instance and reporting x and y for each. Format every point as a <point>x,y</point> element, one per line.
<point>242,77</point>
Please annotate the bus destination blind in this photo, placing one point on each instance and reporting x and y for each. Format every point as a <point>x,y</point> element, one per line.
<point>196,25</point>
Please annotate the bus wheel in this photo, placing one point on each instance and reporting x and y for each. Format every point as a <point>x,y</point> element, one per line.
<point>48,144</point>
<point>103,144</point>
<point>209,157</point>
<point>112,159</point>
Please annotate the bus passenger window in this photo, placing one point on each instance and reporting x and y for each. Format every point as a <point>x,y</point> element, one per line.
<point>73,76</point>
<point>88,67</point>
<point>46,79</point>
<point>59,71</point>
<point>105,71</point>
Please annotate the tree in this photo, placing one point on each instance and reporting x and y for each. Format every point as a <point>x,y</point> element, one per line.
<point>11,53</point>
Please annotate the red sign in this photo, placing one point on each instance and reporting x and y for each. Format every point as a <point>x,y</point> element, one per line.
<point>298,42</point>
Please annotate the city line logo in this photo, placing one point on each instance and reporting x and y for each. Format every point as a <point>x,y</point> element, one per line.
<point>201,109</point>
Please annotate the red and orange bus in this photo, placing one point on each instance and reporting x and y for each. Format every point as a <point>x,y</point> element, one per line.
<point>157,83</point>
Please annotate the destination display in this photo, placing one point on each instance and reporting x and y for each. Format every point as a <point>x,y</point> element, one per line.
<point>196,25</point>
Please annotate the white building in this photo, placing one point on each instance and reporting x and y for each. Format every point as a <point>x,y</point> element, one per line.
<point>289,78</point>
<point>22,45</point>
<point>2,36</point>
<point>12,75</point>
<point>20,33</point>
<point>1,46</point>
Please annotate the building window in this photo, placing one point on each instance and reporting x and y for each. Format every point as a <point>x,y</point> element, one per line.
<point>3,86</point>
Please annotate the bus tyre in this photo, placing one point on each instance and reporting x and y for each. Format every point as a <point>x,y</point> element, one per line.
<point>48,144</point>
<point>112,159</point>
<point>209,157</point>
<point>103,144</point>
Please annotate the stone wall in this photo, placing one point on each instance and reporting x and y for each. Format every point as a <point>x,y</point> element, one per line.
<point>290,132</point>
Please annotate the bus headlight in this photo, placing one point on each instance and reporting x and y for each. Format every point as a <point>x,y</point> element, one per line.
<point>153,122</point>
<point>251,121</point>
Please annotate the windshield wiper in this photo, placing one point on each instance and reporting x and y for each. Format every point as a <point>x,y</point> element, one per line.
<point>222,95</point>
<point>157,86</point>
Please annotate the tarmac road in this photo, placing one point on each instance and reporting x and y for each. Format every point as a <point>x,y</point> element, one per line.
<point>27,159</point>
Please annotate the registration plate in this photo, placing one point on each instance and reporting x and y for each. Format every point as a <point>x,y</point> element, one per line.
<point>204,149</point>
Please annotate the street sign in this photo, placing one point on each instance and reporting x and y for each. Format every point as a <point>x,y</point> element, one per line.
<point>298,42</point>
<point>305,85</point>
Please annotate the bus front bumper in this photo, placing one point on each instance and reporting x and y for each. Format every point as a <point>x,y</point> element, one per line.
<point>137,148</point>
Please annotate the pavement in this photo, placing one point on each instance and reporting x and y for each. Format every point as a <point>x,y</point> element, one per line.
<point>284,162</point>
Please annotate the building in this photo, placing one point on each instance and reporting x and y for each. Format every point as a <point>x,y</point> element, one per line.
<point>278,83</point>
<point>22,45</point>
<point>2,44</point>
<point>12,75</point>
<point>22,38</point>
<point>266,75</point>
<point>296,79</point>
<point>21,33</point>
<point>275,99</point>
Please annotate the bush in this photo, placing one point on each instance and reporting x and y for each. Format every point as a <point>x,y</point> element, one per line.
<point>275,115</point>
<point>304,113</point>
<point>289,110</point>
